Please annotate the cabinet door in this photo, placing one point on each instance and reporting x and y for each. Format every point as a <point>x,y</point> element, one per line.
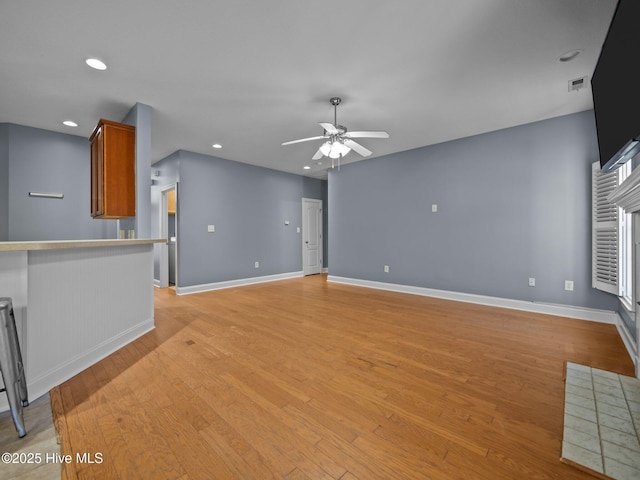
<point>97,174</point>
<point>113,188</point>
<point>119,171</point>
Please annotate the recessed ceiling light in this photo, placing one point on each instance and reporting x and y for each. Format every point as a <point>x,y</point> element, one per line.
<point>95,63</point>
<point>216,145</point>
<point>567,57</point>
<point>70,123</point>
<point>307,167</point>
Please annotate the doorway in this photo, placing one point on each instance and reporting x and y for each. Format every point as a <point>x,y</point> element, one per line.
<point>311,236</point>
<point>169,230</point>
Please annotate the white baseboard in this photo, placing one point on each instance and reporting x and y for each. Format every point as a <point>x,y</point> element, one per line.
<point>628,341</point>
<point>582,313</point>
<point>36,387</point>
<point>241,282</point>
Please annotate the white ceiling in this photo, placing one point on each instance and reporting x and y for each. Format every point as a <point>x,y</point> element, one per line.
<point>253,74</point>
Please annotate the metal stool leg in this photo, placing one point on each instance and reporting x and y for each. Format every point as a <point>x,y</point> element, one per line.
<point>15,405</point>
<point>11,365</point>
<point>21,380</point>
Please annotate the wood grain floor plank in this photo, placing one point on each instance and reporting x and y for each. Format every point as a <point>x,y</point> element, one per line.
<point>303,379</point>
<point>68,471</point>
<point>294,446</point>
<point>240,416</point>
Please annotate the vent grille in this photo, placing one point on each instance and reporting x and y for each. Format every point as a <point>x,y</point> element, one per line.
<point>578,83</point>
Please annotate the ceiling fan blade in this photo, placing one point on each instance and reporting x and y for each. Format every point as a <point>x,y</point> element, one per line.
<point>318,155</point>
<point>330,128</point>
<point>380,134</point>
<point>357,148</point>
<point>303,140</point>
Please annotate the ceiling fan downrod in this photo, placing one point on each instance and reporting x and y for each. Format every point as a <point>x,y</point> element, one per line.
<point>335,101</point>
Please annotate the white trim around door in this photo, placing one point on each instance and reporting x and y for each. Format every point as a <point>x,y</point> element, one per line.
<point>312,252</point>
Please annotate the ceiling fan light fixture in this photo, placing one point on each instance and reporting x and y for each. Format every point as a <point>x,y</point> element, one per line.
<point>338,149</point>
<point>325,148</point>
<point>337,140</point>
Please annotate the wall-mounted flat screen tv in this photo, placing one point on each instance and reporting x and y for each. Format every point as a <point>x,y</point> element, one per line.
<point>615,86</point>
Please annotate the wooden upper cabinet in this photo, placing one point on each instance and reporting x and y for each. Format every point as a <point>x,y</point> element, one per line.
<point>113,172</point>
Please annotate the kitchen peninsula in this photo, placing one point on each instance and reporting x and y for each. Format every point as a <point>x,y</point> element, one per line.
<point>75,302</point>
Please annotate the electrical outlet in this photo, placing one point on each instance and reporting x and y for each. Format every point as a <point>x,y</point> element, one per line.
<point>434,208</point>
<point>532,282</point>
<point>386,269</point>
<point>211,228</point>
<point>257,264</point>
<point>568,285</point>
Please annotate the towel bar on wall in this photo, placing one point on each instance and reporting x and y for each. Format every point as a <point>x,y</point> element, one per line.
<point>46,195</point>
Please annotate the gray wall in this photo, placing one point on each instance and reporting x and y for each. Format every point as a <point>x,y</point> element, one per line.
<point>168,173</point>
<point>4,182</point>
<point>512,204</point>
<point>45,161</point>
<point>248,206</point>
<point>36,160</point>
<point>140,117</point>
<point>325,223</point>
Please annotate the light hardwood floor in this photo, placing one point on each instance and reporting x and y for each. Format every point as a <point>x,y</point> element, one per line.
<point>304,379</point>
<point>32,457</point>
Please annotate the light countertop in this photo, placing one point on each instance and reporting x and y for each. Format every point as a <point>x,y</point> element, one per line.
<point>58,244</point>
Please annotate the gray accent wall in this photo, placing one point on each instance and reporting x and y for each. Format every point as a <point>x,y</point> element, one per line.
<point>4,182</point>
<point>168,172</point>
<point>45,161</point>
<point>36,160</point>
<point>248,206</point>
<point>512,204</point>
<point>140,117</point>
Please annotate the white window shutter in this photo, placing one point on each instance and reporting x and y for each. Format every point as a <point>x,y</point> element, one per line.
<point>605,264</point>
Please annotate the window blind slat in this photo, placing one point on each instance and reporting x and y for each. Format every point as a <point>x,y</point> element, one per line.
<point>605,236</point>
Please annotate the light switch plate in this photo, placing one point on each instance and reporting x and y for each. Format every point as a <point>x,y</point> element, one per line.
<point>434,208</point>
<point>211,228</point>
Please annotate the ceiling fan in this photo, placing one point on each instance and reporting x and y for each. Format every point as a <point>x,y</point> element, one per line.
<point>338,140</point>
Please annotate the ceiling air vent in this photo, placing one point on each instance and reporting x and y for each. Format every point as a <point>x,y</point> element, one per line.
<point>578,84</point>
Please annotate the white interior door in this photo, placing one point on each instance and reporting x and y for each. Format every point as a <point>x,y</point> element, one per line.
<point>311,236</point>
